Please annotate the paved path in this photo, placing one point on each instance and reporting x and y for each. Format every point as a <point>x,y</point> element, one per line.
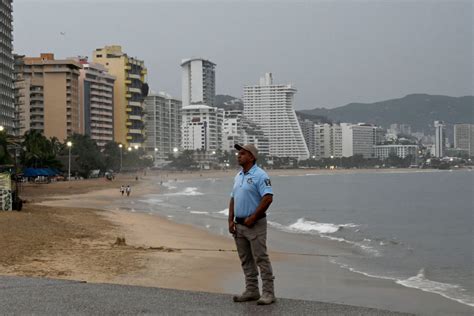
<point>23,296</point>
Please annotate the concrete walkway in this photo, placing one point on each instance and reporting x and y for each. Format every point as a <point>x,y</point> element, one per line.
<point>23,296</point>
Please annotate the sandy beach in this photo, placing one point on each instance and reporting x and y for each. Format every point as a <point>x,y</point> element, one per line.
<point>68,231</point>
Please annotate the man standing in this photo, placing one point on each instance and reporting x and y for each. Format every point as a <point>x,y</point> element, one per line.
<point>250,198</point>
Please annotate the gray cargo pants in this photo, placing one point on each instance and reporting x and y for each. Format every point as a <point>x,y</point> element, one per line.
<point>251,245</point>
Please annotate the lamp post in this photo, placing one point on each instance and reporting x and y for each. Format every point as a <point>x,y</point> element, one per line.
<point>120,146</point>
<point>1,128</point>
<point>69,145</point>
<point>156,150</point>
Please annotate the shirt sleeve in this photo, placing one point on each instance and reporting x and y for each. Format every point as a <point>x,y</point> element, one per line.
<point>265,185</point>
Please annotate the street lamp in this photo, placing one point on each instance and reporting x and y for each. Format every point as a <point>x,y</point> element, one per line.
<point>156,150</point>
<point>129,148</point>
<point>175,150</point>
<point>69,145</point>
<point>136,147</point>
<point>1,128</point>
<point>120,146</point>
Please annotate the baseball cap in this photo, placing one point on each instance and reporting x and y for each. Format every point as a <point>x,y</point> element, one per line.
<point>248,147</point>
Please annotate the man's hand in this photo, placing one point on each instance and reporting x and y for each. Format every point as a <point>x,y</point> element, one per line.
<point>232,228</point>
<point>250,221</point>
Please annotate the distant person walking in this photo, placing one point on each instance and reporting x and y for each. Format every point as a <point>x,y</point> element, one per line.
<point>129,190</point>
<point>122,189</point>
<point>251,196</point>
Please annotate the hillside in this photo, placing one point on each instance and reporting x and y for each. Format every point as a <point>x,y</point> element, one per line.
<point>417,110</point>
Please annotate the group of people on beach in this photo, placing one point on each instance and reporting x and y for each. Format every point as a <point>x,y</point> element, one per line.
<point>125,189</point>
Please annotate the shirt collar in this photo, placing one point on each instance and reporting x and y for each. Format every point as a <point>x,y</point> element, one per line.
<point>251,170</point>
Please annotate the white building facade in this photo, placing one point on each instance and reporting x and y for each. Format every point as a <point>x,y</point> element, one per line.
<point>360,139</point>
<point>464,138</point>
<point>97,102</point>
<point>271,107</point>
<point>198,82</point>
<point>163,125</point>
<point>402,151</point>
<point>201,128</point>
<point>439,139</point>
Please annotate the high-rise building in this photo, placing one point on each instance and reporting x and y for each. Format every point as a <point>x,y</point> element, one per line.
<point>48,94</point>
<point>163,125</point>
<point>231,129</point>
<point>22,98</point>
<point>439,139</point>
<point>328,141</point>
<point>130,90</point>
<point>201,128</point>
<point>271,107</point>
<point>7,94</point>
<point>360,139</point>
<point>237,129</point>
<point>198,82</point>
<point>464,138</point>
<point>309,133</point>
<point>97,102</point>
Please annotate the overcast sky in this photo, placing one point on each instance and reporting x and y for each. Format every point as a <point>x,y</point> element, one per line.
<point>334,52</point>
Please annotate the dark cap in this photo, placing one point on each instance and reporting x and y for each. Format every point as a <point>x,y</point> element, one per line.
<point>248,147</point>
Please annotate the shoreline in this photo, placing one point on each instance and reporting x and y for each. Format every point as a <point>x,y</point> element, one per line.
<point>219,271</point>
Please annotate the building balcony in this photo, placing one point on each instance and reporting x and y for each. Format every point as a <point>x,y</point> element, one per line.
<point>135,131</point>
<point>134,76</point>
<point>134,90</point>
<point>134,103</point>
<point>135,117</point>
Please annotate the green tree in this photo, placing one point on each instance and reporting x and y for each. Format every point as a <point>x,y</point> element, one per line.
<point>183,161</point>
<point>38,151</point>
<point>5,158</point>
<point>87,156</point>
<point>111,154</point>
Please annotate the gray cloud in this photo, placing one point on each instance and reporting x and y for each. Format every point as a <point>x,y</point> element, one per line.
<point>333,52</point>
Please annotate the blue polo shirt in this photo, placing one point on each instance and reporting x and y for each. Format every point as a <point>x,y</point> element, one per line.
<point>248,190</point>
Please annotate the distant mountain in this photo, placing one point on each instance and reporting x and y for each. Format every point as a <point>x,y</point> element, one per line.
<point>417,110</point>
<point>228,102</point>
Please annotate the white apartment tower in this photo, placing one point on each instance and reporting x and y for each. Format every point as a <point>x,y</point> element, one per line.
<point>439,139</point>
<point>96,87</point>
<point>360,139</point>
<point>163,124</point>
<point>201,128</point>
<point>271,107</point>
<point>327,141</point>
<point>7,90</point>
<point>198,82</point>
<point>464,138</point>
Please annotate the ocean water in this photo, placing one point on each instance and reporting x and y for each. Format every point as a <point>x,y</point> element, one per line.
<point>413,228</point>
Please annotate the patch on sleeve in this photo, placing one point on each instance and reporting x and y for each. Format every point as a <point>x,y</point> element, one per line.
<point>268,183</point>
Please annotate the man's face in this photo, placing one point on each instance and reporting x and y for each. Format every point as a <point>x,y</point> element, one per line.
<point>244,157</point>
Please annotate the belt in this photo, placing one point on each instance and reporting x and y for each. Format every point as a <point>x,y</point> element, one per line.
<point>241,220</point>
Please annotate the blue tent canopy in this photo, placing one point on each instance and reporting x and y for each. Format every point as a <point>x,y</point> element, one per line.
<point>34,172</point>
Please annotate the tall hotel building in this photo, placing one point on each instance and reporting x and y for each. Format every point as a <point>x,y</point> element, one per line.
<point>198,82</point>
<point>97,102</point>
<point>130,90</point>
<point>7,94</point>
<point>48,95</point>
<point>360,139</point>
<point>201,127</point>
<point>464,138</point>
<point>327,141</point>
<point>439,139</point>
<point>271,106</point>
<point>163,124</point>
